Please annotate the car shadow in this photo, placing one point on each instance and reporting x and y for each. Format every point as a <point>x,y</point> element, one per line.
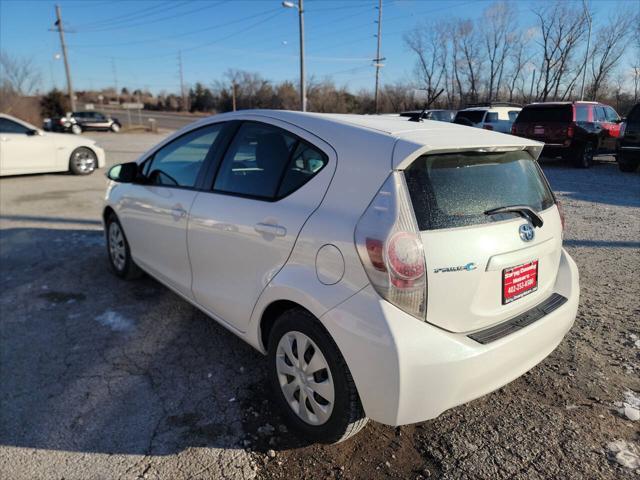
<point>92,363</point>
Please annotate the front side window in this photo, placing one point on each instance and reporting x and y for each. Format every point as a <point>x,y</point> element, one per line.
<point>178,163</point>
<point>454,190</point>
<point>267,163</point>
<point>611,114</point>
<point>7,126</point>
<point>600,114</point>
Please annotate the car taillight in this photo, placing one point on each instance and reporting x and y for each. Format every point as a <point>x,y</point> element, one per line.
<point>513,129</point>
<point>62,121</point>
<point>570,131</point>
<point>623,127</point>
<point>390,247</point>
<point>487,127</point>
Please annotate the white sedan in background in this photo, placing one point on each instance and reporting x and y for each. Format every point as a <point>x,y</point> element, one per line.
<point>27,149</point>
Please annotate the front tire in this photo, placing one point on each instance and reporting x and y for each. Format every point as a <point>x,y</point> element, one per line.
<point>83,161</point>
<point>311,380</point>
<point>119,251</point>
<point>76,129</point>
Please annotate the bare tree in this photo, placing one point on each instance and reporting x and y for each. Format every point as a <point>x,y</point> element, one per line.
<point>18,74</point>
<point>561,34</point>
<point>469,47</point>
<point>428,42</point>
<point>518,58</point>
<point>497,26</point>
<point>608,49</point>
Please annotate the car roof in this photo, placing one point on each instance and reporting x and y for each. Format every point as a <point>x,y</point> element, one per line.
<point>404,137</point>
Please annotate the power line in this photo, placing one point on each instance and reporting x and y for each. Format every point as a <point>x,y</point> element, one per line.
<point>130,15</point>
<point>178,35</point>
<point>156,20</point>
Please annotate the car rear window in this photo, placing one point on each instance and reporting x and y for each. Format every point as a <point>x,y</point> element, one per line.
<point>550,113</point>
<point>454,190</point>
<point>474,116</point>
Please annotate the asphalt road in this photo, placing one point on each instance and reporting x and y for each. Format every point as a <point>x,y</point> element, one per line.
<point>104,379</point>
<point>164,120</point>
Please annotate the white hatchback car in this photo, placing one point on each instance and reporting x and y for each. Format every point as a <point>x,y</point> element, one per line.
<point>26,149</point>
<point>388,269</point>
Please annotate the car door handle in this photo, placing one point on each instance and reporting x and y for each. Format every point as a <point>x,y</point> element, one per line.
<point>270,229</point>
<point>178,212</point>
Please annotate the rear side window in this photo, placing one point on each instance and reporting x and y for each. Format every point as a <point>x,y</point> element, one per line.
<point>454,190</point>
<point>491,117</point>
<point>267,162</point>
<point>541,114</point>
<point>600,114</point>
<point>513,114</point>
<point>474,116</point>
<point>582,113</point>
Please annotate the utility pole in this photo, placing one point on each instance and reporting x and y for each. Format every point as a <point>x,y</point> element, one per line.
<point>586,54</point>
<point>233,94</point>
<point>377,60</point>
<point>182,91</point>
<point>58,24</point>
<point>303,86</point>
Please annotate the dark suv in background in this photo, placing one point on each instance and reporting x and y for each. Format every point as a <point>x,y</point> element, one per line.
<point>628,151</point>
<point>575,131</point>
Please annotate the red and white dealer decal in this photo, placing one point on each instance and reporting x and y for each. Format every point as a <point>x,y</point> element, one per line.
<point>519,281</point>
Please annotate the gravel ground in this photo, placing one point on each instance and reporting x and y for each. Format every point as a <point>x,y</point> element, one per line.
<point>105,379</point>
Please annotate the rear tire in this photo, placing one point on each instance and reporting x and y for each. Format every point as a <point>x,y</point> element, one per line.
<point>625,165</point>
<point>328,420</point>
<point>83,161</point>
<point>119,251</point>
<point>584,155</point>
<point>115,128</point>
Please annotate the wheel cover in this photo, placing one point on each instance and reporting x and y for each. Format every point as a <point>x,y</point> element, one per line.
<point>305,378</point>
<point>84,161</point>
<point>117,246</point>
<point>115,127</point>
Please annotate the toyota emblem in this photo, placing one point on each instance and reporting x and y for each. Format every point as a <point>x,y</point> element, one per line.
<point>526,232</point>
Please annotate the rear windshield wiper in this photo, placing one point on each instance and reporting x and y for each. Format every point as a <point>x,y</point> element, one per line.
<point>522,210</point>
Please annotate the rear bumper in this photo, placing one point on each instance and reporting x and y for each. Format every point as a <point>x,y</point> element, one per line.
<point>408,371</point>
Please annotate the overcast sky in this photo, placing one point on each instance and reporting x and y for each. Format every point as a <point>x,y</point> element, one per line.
<point>138,41</point>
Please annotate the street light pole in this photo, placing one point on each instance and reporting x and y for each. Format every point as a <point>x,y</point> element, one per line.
<point>303,86</point>
<point>586,55</point>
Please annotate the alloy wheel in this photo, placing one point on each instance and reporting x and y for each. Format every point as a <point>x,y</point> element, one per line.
<point>84,161</point>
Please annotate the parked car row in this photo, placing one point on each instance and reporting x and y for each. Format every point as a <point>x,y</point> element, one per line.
<point>574,131</point>
<point>78,122</point>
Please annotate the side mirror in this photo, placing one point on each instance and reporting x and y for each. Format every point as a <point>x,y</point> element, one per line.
<point>124,173</point>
